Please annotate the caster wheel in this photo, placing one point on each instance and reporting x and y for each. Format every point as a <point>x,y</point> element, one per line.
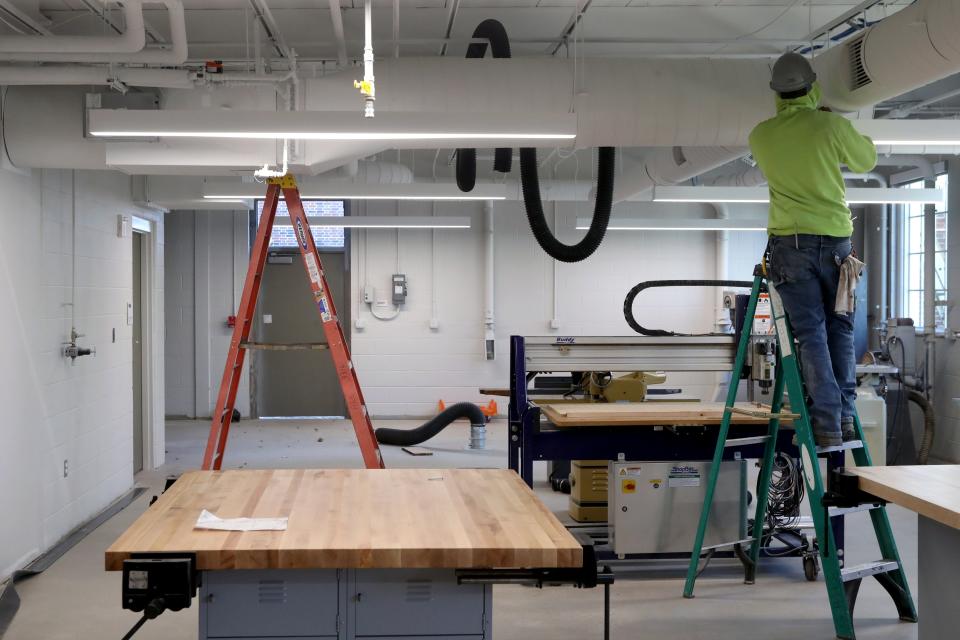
<point>811,568</point>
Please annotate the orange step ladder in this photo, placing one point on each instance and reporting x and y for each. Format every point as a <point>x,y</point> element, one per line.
<point>356,407</point>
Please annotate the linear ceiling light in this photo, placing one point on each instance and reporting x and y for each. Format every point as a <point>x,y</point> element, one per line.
<point>329,125</point>
<point>911,132</point>
<point>343,190</point>
<point>673,224</point>
<point>855,195</point>
<point>392,222</point>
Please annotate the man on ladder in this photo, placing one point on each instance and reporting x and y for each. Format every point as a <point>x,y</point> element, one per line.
<point>800,152</point>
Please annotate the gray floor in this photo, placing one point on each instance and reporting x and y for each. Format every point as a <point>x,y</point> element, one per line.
<point>77,599</point>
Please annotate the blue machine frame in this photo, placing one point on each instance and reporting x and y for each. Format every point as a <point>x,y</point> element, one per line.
<point>529,442</point>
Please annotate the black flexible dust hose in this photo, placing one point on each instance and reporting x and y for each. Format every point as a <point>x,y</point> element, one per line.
<point>632,294</point>
<point>929,425</point>
<point>530,181</point>
<point>411,437</point>
<point>494,32</point>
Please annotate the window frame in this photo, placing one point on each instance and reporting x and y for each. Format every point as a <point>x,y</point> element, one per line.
<point>254,221</point>
<point>917,212</point>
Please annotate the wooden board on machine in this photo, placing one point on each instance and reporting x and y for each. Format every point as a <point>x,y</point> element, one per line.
<point>932,491</point>
<point>646,414</point>
<point>356,518</point>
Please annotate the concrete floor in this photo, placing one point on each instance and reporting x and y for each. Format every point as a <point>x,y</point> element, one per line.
<point>75,598</point>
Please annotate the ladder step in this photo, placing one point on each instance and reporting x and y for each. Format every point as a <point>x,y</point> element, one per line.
<point>741,442</point>
<point>728,544</point>
<point>851,444</point>
<point>843,511</point>
<point>868,569</point>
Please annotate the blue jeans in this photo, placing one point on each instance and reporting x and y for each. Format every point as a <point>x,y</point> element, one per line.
<point>805,269</point>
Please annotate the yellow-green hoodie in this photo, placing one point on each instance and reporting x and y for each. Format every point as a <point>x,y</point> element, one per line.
<point>800,151</point>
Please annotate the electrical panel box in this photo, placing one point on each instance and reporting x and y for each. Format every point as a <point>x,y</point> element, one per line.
<point>654,507</point>
<point>399,289</point>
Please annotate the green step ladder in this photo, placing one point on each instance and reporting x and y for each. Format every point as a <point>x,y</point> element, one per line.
<point>843,583</point>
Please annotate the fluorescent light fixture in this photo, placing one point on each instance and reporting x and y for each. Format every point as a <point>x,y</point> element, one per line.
<point>760,195</point>
<point>330,125</point>
<point>917,143</point>
<point>913,133</point>
<point>344,190</point>
<point>392,222</point>
<point>675,224</point>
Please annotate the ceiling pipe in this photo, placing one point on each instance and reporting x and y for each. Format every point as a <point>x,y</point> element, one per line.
<point>745,176</point>
<point>451,18</point>
<point>666,167</point>
<point>54,50</point>
<point>23,19</point>
<point>920,162</point>
<point>336,20</point>
<point>262,10</point>
<point>79,75</point>
<point>132,40</point>
<point>396,28</point>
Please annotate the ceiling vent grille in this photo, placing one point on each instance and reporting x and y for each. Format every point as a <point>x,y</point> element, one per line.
<point>859,77</point>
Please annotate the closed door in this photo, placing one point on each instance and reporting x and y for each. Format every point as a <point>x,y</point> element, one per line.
<point>301,382</point>
<point>137,353</point>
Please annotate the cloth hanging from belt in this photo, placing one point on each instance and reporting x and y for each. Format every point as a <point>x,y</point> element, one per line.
<point>850,271</point>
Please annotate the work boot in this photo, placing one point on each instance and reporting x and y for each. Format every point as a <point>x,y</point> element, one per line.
<point>848,430</point>
<point>828,438</point>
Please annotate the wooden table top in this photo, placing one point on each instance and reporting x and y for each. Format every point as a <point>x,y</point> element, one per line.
<point>638,414</point>
<point>356,518</point>
<point>930,490</point>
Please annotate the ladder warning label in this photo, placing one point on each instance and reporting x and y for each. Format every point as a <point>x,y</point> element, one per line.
<point>324,309</point>
<point>312,268</point>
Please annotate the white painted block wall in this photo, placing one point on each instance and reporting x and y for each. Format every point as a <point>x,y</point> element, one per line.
<point>406,368</point>
<point>55,410</point>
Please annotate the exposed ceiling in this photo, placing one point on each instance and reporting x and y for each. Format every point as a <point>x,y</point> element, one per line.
<point>223,29</point>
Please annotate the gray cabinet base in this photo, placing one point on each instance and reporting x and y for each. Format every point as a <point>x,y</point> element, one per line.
<point>374,604</point>
<point>938,567</point>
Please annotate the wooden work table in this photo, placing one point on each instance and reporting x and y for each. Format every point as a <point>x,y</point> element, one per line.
<point>933,491</point>
<point>356,518</point>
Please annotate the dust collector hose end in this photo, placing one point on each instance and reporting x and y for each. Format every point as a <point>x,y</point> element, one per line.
<point>411,437</point>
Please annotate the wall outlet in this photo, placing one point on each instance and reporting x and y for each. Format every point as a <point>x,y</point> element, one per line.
<point>360,324</point>
<point>434,324</point>
<point>66,468</point>
<point>555,323</point>
<point>368,294</point>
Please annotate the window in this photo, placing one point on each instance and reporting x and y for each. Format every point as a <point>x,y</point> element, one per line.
<point>913,257</point>
<point>325,237</point>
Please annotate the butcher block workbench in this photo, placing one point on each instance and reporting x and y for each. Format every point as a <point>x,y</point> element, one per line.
<point>933,491</point>
<point>366,553</point>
